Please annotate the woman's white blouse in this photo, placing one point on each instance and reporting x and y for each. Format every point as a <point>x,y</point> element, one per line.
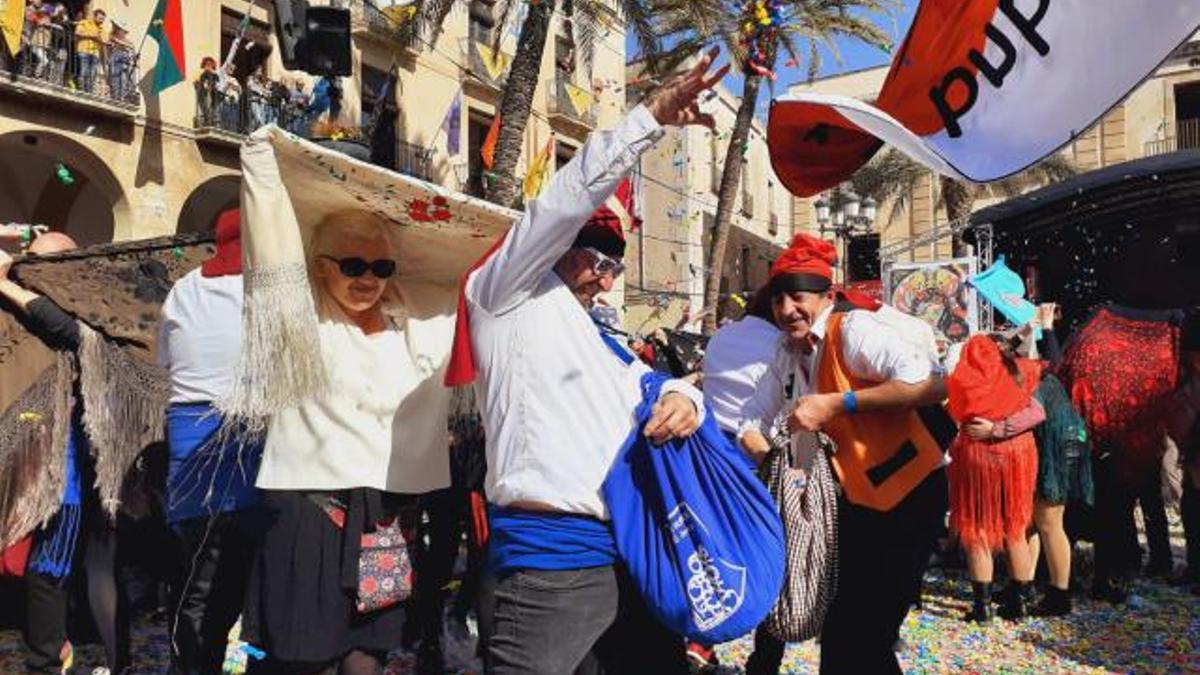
<point>382,424</point>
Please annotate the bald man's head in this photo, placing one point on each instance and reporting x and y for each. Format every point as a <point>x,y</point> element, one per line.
<point>52,242</point>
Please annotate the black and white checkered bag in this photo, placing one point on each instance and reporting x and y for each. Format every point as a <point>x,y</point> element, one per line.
<point>808,506</point>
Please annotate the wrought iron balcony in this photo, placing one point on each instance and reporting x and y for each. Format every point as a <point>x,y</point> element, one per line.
<point>568,101</point>
<point>414,160</point>
<point>100,76</point>
<point>488,65</point>
<point>391,25</point>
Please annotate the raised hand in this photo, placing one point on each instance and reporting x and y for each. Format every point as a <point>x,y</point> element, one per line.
<point>676,102</point>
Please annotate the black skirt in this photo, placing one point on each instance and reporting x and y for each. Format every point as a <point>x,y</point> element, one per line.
<point>296,606</point>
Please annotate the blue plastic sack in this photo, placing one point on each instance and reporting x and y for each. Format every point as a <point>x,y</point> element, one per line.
<point>698,531</point>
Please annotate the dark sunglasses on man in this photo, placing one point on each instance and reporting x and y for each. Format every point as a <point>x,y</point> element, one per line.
<point>356,267</point>
<point>603,265</point>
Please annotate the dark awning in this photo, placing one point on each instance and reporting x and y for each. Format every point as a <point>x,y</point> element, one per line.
<point>1152,187</point>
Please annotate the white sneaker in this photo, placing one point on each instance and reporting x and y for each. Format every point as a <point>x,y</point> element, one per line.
<point>101,671</point>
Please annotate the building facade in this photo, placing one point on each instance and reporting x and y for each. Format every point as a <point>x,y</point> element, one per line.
<point>102,157</point>
<point>1161,115</point>
<point>679,180</point>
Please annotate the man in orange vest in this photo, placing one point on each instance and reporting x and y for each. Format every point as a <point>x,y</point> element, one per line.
<point>856,375</point>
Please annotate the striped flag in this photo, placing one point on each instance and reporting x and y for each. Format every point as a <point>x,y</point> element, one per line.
<point>539,171</point>
<point>166,28</point>
<point>488,151</point>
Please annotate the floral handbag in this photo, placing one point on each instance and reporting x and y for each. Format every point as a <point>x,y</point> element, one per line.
<point>385,571</point>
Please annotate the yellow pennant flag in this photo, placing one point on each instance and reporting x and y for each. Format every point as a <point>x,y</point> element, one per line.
<point>581,99</point>
<point>494,60</point>
<point>12,24</point>
<point>539,171</point>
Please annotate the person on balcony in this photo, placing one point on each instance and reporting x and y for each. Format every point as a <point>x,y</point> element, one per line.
<point>121,59</point>
<point>206,92</point>
<point>89,38</point>
<point>36,38</point>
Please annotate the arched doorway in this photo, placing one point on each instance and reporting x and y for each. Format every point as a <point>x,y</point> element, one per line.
<point>213,196</point>
<point>52,180</point>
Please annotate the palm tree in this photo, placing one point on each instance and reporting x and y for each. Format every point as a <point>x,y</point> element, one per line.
<point>804,25</point>
<point>892,177</point>
<point>516,101</point>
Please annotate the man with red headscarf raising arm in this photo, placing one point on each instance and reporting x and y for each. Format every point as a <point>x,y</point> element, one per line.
<point>856,377</point>
<point>558,403</point>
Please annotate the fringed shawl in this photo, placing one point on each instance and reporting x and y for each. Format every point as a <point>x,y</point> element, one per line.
<point>117,288</point>
<point>289,186</point>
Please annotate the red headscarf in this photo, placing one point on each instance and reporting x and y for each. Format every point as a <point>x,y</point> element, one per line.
<point>228,259</point>
<point>981,385</point>
<point>806,265</point>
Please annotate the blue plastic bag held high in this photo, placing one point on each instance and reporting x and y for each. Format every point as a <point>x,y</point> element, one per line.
<point>698,531</point>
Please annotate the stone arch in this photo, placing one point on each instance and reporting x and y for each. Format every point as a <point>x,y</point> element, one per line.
<point>207,201</point>
<point>87,202</point>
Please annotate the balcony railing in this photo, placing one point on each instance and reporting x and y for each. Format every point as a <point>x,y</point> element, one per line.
<point>1187,135</point>
<point>489,66</point>
<point>391,24</point>
<point>571,102</point>
<point>234,112</point>
<point>414,160</point>
<point>84,69</point>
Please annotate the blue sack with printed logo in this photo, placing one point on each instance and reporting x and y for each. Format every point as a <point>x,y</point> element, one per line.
<point>698,531</point>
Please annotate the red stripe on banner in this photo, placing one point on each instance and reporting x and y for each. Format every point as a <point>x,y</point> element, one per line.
<point>813,147</point>
<point>173,30</point>
<point>943,34</point>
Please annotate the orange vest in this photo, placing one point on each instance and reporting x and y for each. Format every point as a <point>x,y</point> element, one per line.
<point>881,456</point>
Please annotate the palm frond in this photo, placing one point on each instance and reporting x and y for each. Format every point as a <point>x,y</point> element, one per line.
<point>891,177</point>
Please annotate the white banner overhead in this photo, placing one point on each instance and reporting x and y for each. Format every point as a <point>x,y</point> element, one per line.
<point>982,89</point>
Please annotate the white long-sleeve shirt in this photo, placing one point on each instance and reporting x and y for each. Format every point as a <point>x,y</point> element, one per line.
<point>736,360</point>
<point>200,336</point>
<point>557,404</point>
<point>873,349</point>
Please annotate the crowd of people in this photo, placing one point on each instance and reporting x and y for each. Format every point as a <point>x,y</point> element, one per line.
<point>88,52</point>
<point>331,521</point>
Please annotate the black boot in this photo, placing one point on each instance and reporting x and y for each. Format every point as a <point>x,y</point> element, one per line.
<point>981,608</point>
<point>1056,602</point>
<point>1016,605</point>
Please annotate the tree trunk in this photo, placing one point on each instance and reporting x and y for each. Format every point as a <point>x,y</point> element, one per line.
<point>516,102</point>
<point>959,198</point>
<point>730,181</point>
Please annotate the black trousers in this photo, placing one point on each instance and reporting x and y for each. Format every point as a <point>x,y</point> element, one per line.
<point>881,559</point>
<point>1190,508</point>
<point>214,562</point>
<point>1117,552</point>
<point>48,600</point>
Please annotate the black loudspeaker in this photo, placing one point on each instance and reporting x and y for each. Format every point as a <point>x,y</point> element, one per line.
<point>289,29</point>
<point>325,49</point>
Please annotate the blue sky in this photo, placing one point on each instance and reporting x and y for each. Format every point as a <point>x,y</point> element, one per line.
<point>854,55</point>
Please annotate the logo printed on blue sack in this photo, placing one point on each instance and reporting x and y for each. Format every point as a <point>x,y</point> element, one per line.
<point>713,596</point>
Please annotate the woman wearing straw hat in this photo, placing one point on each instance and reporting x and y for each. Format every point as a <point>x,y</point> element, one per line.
<point>350,278</point>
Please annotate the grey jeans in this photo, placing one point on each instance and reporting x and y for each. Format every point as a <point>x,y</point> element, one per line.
<point>548,622</point>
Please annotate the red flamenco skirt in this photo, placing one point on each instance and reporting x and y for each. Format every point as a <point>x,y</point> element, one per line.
<point>991,489</point>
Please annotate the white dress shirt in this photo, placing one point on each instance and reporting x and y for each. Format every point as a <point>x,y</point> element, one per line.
<point>735,361</point>
<point>872,350</point>
<point>557,405</point>
<point>200,336</point>
<point>381,424</point>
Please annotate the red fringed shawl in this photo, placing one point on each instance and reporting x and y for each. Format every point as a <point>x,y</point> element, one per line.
<point>1120,369</point>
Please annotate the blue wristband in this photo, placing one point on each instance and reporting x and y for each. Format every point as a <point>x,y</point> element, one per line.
<point>850,402</point>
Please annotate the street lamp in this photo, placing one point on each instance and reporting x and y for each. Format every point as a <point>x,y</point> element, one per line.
<point>842,212</point>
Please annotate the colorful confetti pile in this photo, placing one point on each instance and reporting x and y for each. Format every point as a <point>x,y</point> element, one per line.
<point>1157,633</point>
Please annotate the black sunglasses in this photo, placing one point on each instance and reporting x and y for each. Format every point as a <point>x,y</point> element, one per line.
<point>356,267</point>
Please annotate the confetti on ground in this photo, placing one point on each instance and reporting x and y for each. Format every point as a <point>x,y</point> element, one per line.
<point>1156,633</point>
